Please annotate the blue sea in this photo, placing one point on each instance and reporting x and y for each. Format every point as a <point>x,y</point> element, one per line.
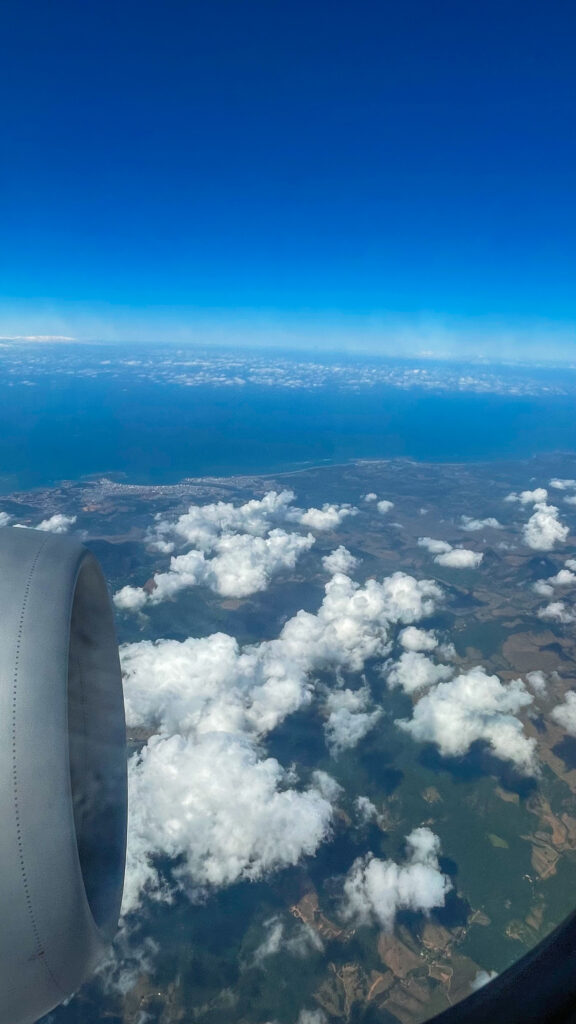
<point>62,426</point>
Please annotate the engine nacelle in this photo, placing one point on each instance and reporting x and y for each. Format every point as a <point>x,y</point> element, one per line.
<point>62,771</point>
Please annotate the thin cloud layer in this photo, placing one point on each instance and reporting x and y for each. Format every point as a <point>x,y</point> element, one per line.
<point>375,890</point>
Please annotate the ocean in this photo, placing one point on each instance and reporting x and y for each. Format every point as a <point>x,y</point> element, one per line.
<point>157,433</point>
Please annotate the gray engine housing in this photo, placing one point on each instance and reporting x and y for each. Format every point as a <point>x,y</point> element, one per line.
<point>62,771</point>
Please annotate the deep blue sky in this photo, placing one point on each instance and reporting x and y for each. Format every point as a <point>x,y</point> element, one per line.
<point>402,175</point>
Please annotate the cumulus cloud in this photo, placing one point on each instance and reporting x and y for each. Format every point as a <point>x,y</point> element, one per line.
<point>349,718</point>
<point>201,525</point>
<point>4,519</point>
<point>563,485</point>
<point>563,578</point>
<point>340,560</point>
<point>131,599</point>
<point>414,639</point>
<point>326,518</point>
<point>414,671</point>
<point>435,547</point>
<point>475,706</point>
<point>565,714</point>
<point>241,564</point>
<point>202,789</point>
<point>384,506</point>
<point>451,557</point>
<point>556,611</point>
<point>460,558</point>
<point>537,682</point>
<point>370,496</point>
<point>234,550</point>
<point>542,588</point>
<point>539,495</point>
<point>570,499</point>
<point>214,801</point>
<point>472,525</point>
<point>543,530</point>
<point>366,810</point>
<point>58,523</point>
<point>375,890</point>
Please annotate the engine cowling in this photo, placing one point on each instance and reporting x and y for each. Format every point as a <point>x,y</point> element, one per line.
<point>62,771</point>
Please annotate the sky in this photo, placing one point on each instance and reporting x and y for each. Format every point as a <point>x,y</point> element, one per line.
<point>397,178</point>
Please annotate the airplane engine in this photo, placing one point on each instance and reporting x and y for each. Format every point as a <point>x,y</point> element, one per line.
<point>62,771</point>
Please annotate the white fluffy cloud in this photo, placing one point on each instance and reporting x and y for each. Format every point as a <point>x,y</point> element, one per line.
<point>543,530</point>
<point>375,890</point>
<point>366,810</point>
<point>57,523</point>
<point>201,525</point>
<point>542,588</point>
<point>451,557</point>
<point>414,671</point>
<point>435,547</point>
<point>556,611</point>
<point>202,789</point>
<point>414,639</point>
<point>563,578</point>
<point>215,802</point>
<point>384,506</point>
<point>234,550</point>
<point>537,682</point>
<point>538,495</point>
<point>371,496</point>
<point>563,485</point>
<point>475,706</point>
<point>349,718</point>
<point>4,519</point>
<point>340,560</point>
<point>241,564</point>
<point>565,714</point>
<point>472,525</point>
<point>326,518</point>
<point>460,558</point>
